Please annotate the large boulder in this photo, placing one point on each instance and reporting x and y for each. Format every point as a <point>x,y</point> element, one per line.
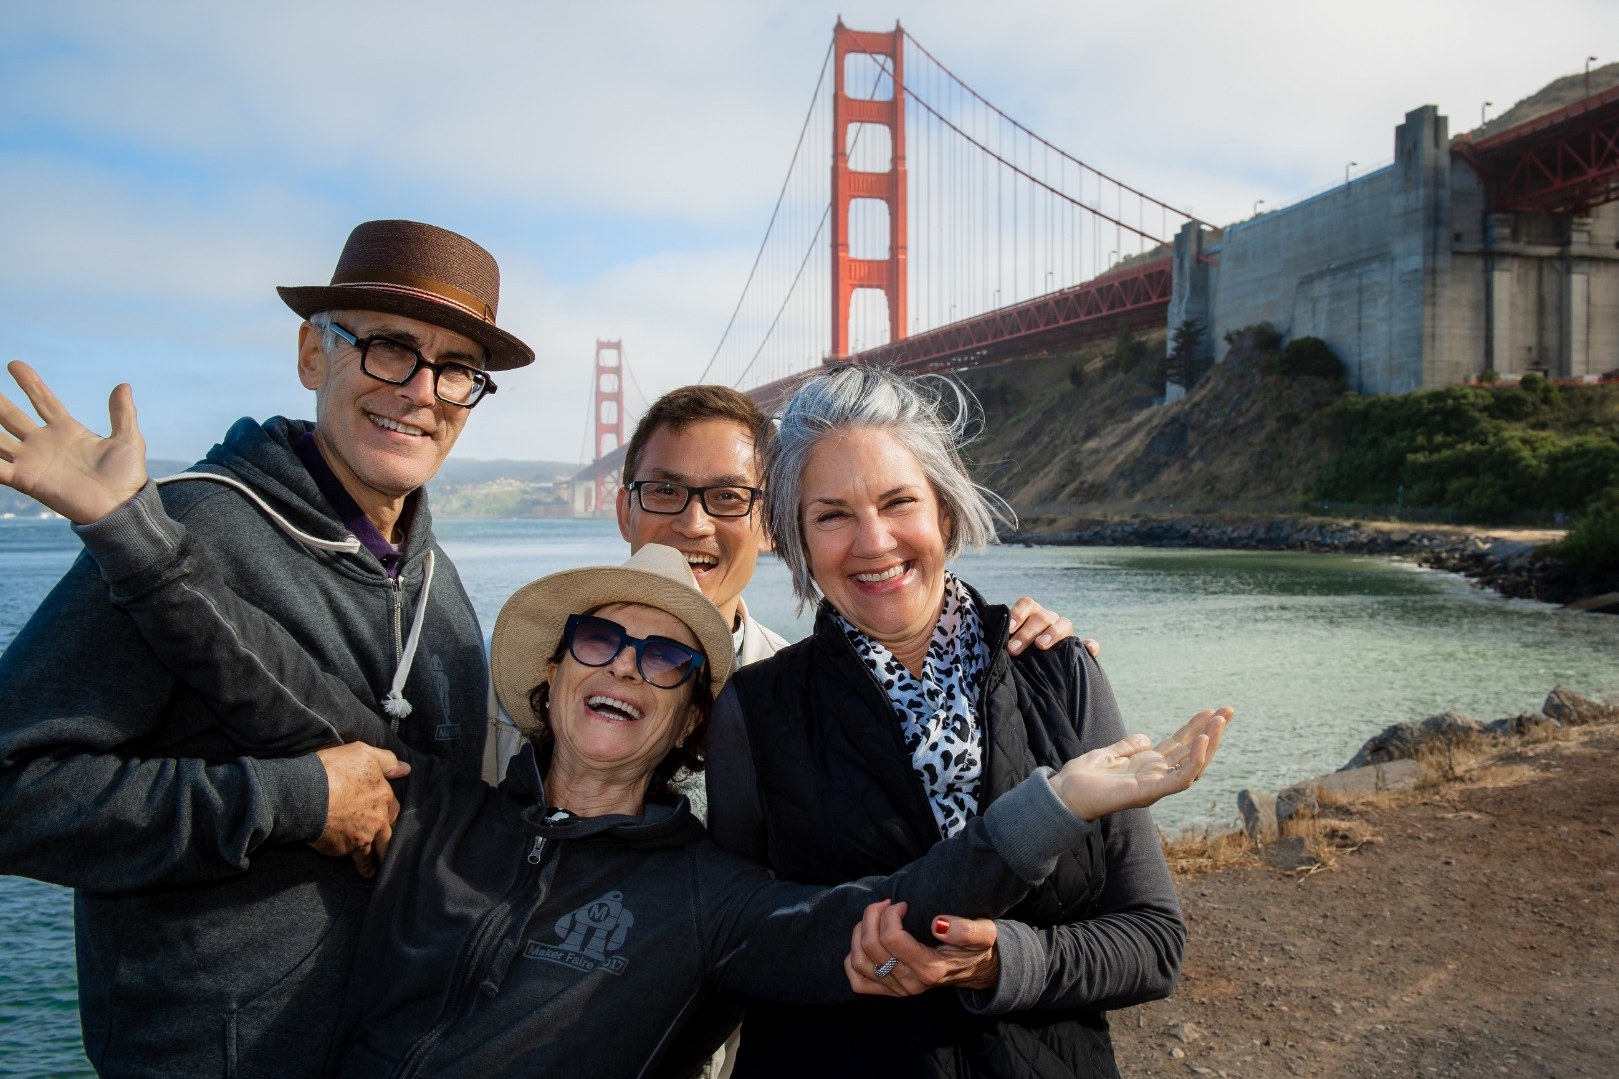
<point>1305,798</point>
<point>1400,775</point>
<point>1525,725</point>
<point>1572,710</point>
<point>1258,811</point>
<point>1404,740</point>
<point>1297,800</point>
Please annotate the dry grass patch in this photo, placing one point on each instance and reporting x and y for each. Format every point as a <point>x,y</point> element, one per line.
<point>1193,852</point>
<point>1328,838</point>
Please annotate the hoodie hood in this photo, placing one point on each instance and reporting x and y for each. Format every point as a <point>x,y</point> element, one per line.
<point>661,826</point>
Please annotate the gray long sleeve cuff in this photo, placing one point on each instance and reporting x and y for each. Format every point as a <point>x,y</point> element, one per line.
<point>133,538</point>
<point>296,788</point>
<point>1031,827</point>
<point>1023,972</point>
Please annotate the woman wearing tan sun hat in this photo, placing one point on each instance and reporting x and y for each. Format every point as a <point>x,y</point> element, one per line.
<point>570,920</point>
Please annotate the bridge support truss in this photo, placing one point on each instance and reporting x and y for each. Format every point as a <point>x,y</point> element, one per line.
<point>850,274</point>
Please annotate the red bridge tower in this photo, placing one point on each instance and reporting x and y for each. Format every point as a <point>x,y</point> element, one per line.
<point>609,417</point>
<point>850,274</point>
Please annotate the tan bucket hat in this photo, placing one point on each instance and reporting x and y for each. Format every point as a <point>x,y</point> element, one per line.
<point>530,625</point>
<point>420,271</point>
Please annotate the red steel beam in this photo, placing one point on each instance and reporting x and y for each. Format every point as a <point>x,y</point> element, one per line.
<point>1135,295</point>
<point>1564,162</point>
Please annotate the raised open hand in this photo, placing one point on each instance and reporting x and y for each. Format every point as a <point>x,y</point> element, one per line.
<point>64,465</point>
<point>1132,773</point>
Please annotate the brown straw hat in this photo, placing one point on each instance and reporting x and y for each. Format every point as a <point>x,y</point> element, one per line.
<point>421,271</point>
<point>530,625</point>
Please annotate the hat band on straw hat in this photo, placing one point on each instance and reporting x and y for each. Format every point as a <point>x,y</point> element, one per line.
<point>422,287</point>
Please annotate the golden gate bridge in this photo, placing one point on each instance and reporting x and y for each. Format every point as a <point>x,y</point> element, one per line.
<point>947,234</point>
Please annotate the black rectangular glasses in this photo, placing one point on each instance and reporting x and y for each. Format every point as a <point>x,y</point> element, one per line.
<point>667,496</point>
<point>388,360</point>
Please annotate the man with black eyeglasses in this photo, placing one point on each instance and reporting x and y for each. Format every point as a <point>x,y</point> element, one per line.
<point>113,775</point>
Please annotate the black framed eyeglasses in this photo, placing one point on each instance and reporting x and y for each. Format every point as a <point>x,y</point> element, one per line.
<point>596,642</point>
<point>722,500</point>
<point>392,361</point>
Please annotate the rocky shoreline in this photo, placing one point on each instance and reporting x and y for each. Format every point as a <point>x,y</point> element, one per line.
<point>1388,760</point>
<point>1507,565</point>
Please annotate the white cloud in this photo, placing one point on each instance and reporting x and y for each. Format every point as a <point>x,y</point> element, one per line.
<point>164,166</point>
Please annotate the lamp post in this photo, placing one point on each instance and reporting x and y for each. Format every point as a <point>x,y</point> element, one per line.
<point>1481,110</point>
<point>1257,204</point>
<point>1588,61</point>
<point>1347,167</point>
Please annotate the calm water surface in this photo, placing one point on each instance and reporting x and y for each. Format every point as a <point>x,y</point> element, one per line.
<point>1316,652</point>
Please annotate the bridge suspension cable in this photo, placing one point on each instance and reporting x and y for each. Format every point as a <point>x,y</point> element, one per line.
<point>993,216</point>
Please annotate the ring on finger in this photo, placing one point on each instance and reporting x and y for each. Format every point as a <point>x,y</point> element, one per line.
<point>885,968</point>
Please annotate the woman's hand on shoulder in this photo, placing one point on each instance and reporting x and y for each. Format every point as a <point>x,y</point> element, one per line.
<point>1030,623</point>
<point>965,956</point>
<point>1133,773</point>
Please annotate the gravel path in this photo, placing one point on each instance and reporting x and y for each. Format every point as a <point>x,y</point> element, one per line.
<point>1477,934</point>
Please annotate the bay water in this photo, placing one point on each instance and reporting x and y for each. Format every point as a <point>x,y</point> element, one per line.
<point>1316,653</point>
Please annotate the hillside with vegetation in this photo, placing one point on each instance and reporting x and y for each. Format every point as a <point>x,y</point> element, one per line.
<point>1273,431</point>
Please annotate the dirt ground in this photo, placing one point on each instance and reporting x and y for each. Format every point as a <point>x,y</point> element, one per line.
<point>1475,932</point>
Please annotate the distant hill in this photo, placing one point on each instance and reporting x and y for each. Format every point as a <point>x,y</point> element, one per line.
<point>462,487</point>
<point>1549,98</point>
<point>458,471</point>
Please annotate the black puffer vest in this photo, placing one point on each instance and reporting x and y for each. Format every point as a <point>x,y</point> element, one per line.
<point>841,801</point>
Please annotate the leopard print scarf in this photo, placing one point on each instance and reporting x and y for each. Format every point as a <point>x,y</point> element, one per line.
<point>937,711</point>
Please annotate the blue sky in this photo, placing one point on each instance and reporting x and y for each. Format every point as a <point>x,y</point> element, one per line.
<point>164,165</point>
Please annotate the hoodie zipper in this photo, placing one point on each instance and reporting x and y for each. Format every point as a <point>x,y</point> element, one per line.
<point>398,594</point>
<point>492,929</point>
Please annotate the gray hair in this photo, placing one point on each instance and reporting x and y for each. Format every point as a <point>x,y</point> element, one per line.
<point>930,415</point>
<point>322,321</point>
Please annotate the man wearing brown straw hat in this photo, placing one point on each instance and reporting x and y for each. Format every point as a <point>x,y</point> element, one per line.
<point>113,775</point>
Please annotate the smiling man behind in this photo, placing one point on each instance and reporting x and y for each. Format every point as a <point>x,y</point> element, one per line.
<point>692,482</point>
<point>113,775</point>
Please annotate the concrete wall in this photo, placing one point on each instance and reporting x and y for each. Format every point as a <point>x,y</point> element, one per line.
<point>1409,280</point>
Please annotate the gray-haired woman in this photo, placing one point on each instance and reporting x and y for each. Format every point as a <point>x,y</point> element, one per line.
<point>896,722</point>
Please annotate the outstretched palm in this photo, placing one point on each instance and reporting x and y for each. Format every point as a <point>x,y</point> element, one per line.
<point>1133,772</point>
<point>61,463</point>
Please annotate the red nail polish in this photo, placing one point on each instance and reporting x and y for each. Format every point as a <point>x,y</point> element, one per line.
<point>941,925</point>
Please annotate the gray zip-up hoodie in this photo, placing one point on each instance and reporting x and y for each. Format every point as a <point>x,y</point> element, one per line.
<point>117,780</point>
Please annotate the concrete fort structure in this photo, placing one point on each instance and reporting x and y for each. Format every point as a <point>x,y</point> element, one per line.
<point>1416,274</point>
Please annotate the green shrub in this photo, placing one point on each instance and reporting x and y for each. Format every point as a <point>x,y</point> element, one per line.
<point>1593,542</point>
<point>1310,357</point>
<point>1493,452</point>
<point>1260,336</point>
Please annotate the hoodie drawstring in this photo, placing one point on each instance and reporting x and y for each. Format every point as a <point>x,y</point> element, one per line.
<point>394,703</point>
<point>346,545</point>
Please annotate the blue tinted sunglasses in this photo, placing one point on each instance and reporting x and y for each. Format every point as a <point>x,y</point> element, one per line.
<point>596,642</point>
